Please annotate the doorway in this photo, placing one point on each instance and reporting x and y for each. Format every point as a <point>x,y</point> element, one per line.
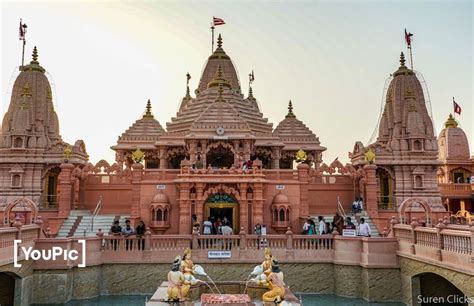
<point>230,211</point>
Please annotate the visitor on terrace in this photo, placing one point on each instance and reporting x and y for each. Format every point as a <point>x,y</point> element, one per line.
<point>128,231</point>
<point>207,227</point>
<point>198,164</point>
<point>338,222</point>
<point>360,204</point>
<point>364,228</point>
<point>349,224</point>
<point>321,225</point>
<point>140,230</point>
<point>115,230</point>
<point>312,227</point>
<point>355,205</point>
<point>226,229</point>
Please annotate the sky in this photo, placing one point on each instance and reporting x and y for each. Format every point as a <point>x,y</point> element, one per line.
<point>331,58</point>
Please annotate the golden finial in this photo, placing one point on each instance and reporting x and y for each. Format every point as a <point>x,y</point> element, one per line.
<point>301,156</point>
<point>26,91</point>
<point>370,156</point>
<point>67,153</point>
<point>219,41</point>
<point>251,94</point>
<point>451,122</point>
<point>290,111</point>
<point>402,60</point>
<point>138,156</point>
<point>219,79</point>
<point>148,113</point>
<point>35,56</point>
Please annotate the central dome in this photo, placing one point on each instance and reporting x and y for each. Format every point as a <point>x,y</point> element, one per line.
<point>219,58</point>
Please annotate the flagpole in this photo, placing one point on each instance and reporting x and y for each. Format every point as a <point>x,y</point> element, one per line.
<point>411,57</point>
<point>212,30</point>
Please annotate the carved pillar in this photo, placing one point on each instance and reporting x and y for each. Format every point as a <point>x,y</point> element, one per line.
<point>371,190</point>
<point>204,153</point>
<point>64,190</point>
<point>184,209</point>
<point>137,171</point>
<point>258,203</point>
<point>246,150</point>
<point>276,158</point>
<point>236,153</point>
<point>243,206</point>
<point>303,177</point>
<point>200,202</point>
<point>192,151</point>
<point>163,161</point>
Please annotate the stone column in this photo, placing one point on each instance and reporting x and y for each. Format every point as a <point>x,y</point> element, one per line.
<point>243,207</point>
<point>200,202</point>
<point>204,153</point>
<point>246,150</point>
<point>192,151</point>
<point>184,209</point>
<point>64,190</point>
<point>163,161</point>
<point>258,203</point>
<point>276,158</point>
<point>371,202</point>
<point>137,171</point>
<point>303,177</point>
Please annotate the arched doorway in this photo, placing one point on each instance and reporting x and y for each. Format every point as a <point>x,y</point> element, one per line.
<point>23,208</point>
<point>220,157</point>
<point>386,185</point>
<point>223,207</point>
<point>426,287</point>
<point>415,207</point>
<point>7,289</point>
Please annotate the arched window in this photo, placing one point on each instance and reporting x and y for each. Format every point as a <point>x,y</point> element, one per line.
<point>159,215</point>
<point>417,145</point>
<point>418,181</point>
<point>282,215</point>
<point>16,180</point>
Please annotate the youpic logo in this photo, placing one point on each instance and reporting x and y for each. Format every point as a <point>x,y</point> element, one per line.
<point>55,253</point>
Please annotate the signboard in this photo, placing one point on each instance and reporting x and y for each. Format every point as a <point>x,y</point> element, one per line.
<point>219,254</point>
<point>349,232</point>
<point>161,187</point>
<point>280,187</point>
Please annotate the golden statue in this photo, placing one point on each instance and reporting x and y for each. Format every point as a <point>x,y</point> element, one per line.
<point>138,156</point>
<point>370,156</point>
<point>67,153</point>
<point>275,284</point>
<point>187,267</point>
<point>301,156</point>
<point>175,293</point>
<point>262,271</point>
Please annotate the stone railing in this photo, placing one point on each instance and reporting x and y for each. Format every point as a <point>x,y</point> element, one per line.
<point>26,233</point>
<point>242,248</point>
<point>458,189</point>
<point>439,245</point>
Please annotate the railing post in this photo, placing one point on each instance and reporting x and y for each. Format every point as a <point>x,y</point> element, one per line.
<point>39,222</point>
<point>440,226</point>
<point>195,243</point>
<point>18,225</point>
<point>414,224</point>
<point>290,253</point>
<point>100,235</point>
<point>147,239</point>
<point>471,229</point>
<point>393,222</point>
<point>242,244</point>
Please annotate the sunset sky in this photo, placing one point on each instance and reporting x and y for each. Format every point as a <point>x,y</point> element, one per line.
<point>331,58</point>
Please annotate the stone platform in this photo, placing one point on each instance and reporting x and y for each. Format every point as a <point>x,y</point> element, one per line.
<point>253,291</point>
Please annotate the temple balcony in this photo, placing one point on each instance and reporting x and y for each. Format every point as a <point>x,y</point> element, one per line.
<point>456,190</point>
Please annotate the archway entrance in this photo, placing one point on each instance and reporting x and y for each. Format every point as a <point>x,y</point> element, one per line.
<point>7,289</point>
<point>415,207</point>
<point>220,207</point>
<point>23,208</point>
<point>220,157</point>
<point>429,286</point>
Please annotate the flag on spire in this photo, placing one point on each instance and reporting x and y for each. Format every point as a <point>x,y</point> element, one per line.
<point>457,107</point>
<point>408,38</point>
<point>251,77</point>
<point>22,31</point>
<point>217,21</point>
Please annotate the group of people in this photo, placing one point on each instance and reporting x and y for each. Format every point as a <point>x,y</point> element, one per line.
<point>357,205</point>
<point>217,227</point>
<point>128,231</point>
<point>338,224</point>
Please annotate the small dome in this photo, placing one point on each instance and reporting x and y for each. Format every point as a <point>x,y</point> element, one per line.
<point>160,197</point>
<point>452,142</point>
<point>280,199</point>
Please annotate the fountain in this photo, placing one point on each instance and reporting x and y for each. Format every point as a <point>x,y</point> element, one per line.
<point>183,288</point>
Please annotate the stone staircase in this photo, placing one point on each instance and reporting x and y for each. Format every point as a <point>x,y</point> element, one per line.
<point>78,224</point>
<point>373,228</point>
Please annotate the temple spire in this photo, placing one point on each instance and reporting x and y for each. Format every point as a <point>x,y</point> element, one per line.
<point>219,42</point>
<point>402,60</point>
<point>451,122</point>
<point>251,97</point>
<point>290,111</point>
<point>148,113</point>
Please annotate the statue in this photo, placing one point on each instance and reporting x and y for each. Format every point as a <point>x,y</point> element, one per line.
<point>67,153</point>
<point>275,284</point>
<point>262,271</point>
<point>138,156</point>
<point>175,292</point>
<point>301,156</point>
<point>189,269</point>
<point>370,156</point>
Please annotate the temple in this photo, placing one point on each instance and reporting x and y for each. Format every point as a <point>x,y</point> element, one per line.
<point>220,157</point>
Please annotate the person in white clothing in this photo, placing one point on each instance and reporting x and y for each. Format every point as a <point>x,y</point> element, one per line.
<point>207,227</point>
<point>322,225</point>
<point>364,228</point>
